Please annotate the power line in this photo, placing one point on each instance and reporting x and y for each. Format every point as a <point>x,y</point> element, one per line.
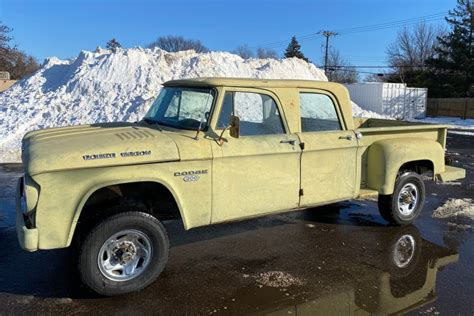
<point>368,28</point>
<point>358,71</point>
<point>381,26</point>
<point>401,66</point>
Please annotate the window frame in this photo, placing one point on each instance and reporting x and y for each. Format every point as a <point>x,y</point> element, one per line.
<point>212,108</point>
<point>251,90</point>
<point>335,102</point>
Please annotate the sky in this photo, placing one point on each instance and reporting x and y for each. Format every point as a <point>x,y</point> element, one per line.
<point>44,28</point>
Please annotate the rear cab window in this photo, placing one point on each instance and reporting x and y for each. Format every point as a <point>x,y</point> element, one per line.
<point>318,113</point>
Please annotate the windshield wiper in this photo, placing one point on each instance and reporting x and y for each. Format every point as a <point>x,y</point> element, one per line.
<point>153,122</point>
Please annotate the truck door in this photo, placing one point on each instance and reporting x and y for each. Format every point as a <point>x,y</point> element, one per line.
<point>328,161</point>
<point>259,172</point>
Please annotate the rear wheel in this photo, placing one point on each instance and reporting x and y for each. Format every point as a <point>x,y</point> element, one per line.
<point>405,204</point>
<point>123,253</point>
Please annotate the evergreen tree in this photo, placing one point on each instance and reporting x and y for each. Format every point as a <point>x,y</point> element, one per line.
<point>113,45</point>
<point>453,63</point>
<point>294,50</point>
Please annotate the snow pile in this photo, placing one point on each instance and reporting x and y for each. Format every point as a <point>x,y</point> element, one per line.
<point>457,209</point>
<point>452,122</point>
<point>277,279</point>
<point>103,87</point>
<point>360,112</point>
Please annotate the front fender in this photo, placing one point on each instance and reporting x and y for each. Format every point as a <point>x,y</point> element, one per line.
<point>63,195</point>
<point>385,157</point>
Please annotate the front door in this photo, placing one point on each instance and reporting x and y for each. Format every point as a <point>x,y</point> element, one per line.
<point>328,162</point>
<point>259,172</point>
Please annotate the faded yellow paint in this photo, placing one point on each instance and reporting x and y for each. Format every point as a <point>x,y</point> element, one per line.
<point>247,176</point>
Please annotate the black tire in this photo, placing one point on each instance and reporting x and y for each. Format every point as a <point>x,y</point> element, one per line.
<point>88,261</point>
<point>389,204</point>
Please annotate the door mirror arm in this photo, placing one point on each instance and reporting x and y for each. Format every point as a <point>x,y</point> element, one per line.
<point>233,127</point>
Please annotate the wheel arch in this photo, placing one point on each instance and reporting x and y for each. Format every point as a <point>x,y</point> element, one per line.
<point>80,208</point>
<point>387,157</point>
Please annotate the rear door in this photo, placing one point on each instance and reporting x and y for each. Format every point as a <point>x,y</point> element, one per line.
<point>328,161</point>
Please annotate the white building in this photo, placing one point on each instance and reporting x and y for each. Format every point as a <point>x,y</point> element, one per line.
<point>394,99</point>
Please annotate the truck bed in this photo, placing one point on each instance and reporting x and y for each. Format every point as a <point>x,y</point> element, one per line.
<point>374,130</point>
<point>362,122</point>
<point>377,129</point>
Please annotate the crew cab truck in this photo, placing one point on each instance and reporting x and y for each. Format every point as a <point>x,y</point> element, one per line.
<point>213,150</point>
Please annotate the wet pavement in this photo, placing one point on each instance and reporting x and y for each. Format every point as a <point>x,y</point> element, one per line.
<point>337,259</point>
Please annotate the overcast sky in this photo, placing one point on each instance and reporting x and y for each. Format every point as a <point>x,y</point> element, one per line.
<point>63,28</point>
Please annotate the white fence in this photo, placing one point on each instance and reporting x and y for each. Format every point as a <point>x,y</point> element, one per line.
<point>394,99</point>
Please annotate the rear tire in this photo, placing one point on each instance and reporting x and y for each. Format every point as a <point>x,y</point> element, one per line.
<point>123,253</point>
<point>405,204</point>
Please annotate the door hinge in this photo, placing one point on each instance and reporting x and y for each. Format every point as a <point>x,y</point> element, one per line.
<point>301,192</point>
<point>302,146</point>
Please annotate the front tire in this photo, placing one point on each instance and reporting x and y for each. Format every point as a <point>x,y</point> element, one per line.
<point>123,253</point>
<point>405,204</point>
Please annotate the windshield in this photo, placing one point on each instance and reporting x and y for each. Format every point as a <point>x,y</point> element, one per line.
<point>184,108</point>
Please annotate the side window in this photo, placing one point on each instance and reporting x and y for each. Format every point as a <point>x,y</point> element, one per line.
<point>226,111</point>
<point>258,113</point>
<point>318,113</point>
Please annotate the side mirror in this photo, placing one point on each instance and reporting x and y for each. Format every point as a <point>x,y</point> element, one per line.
<point>234,129</point>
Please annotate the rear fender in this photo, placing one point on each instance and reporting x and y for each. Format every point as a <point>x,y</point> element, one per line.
<point>386,157</point>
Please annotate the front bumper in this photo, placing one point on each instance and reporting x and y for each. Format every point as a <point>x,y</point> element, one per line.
<point>28,237</point>
<point>451,174</point>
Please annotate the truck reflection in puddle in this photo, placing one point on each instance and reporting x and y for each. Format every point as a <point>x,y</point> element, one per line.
<point>402,277</point>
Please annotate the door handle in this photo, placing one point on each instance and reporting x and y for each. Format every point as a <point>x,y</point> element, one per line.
<point>348,137</point>
<point>291,142</point>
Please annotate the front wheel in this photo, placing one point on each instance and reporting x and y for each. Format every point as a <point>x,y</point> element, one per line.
<point>405,204</point>
<point>124,253</point>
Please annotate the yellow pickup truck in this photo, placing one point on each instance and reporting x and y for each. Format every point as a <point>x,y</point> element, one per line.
<point>213,150</point>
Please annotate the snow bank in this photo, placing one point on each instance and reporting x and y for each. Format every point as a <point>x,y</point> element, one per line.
<point>276,279</point>
<point>360,112</point>
<point>461,209</point>
<point>103,87</point>
<point>452,122</point>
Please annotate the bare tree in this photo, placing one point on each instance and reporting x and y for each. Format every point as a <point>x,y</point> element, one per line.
<point>266,53</point>
<point>5,39</point>
<point>374,78</point>
<point>21,65</point>
<point>171,43</point>
<point>340,70</point>
<point>13,60</point>
<point>243,51</point>
<point>412,48</point>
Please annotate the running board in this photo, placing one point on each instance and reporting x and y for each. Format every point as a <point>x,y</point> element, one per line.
<point>366,193</point>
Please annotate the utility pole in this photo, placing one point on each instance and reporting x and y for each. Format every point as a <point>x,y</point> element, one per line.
<point>326,34</point>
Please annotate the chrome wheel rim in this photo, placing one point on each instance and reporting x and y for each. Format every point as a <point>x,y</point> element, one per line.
<point>125,255</point>
<point>404,251</point>
<point>408,199</point>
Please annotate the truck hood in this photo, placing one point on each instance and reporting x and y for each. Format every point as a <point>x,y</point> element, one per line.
<point>97,145</point>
